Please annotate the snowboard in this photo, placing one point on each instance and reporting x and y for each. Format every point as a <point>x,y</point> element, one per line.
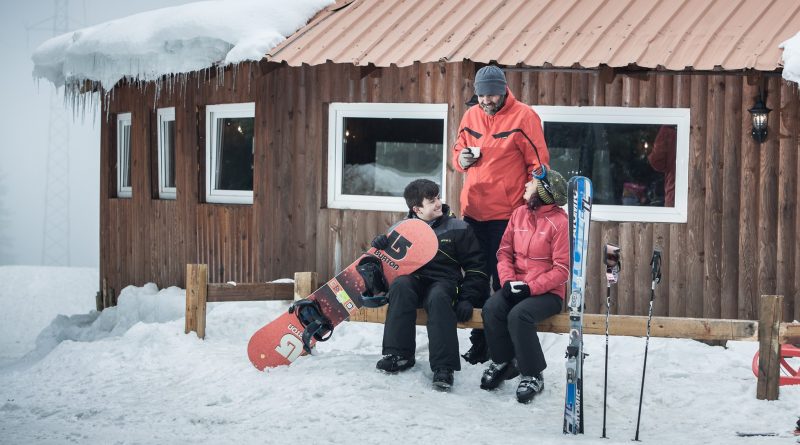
<point>412,244</point>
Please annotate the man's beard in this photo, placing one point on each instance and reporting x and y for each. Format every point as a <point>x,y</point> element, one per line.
<point>492,109</point>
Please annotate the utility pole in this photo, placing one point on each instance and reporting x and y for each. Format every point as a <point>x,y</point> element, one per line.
<point>55,240</point>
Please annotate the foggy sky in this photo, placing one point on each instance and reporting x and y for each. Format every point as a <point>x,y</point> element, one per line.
<point>24,114</point>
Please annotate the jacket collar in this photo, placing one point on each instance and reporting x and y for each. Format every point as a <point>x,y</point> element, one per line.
<point>509,103</point>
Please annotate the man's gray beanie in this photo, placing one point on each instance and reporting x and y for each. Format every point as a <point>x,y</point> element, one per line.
<point>490,81</point>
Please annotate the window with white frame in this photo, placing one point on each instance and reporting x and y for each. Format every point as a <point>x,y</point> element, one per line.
<point>229,153</point>
<point>637,158</point>
<point>376,149</point>
<point>124,189</point>
<point>166,153</point>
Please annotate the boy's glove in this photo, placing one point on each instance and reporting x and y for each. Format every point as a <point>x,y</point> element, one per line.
<point>380,242</point>
<point>463,311</point>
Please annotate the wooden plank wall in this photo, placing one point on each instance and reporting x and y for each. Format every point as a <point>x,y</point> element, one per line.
<point>740,240</point>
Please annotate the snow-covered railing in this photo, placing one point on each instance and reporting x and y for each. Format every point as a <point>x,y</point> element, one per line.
<point>768,330</point>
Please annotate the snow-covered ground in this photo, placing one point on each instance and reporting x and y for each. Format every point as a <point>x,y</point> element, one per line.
<point>130,375</point>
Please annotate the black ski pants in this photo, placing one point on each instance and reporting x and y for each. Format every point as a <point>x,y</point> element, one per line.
<point>489,234</point>
<point>406,294</point>
<point>511,330</point>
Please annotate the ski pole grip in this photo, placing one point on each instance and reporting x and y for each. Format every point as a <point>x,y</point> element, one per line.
<point>655,262</point>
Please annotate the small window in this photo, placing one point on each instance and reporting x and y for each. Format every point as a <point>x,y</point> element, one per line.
<point>229,153</point>
<point>124,189</point>
<point>637,158</point>
<point>376,149</point>
<point>166,153</point>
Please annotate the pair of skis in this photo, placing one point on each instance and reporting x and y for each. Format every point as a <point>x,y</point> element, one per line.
<point>580,212</point>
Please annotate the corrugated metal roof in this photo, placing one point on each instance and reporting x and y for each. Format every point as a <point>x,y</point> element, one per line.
<point>671,34</point>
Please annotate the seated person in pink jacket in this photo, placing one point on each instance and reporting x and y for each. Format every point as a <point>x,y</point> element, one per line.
<point>533,265</point>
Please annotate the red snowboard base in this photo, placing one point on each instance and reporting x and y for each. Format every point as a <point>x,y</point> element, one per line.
<point>412,243</point>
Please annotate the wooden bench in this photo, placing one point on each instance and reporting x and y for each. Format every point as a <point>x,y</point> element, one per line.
<point>768,331</point>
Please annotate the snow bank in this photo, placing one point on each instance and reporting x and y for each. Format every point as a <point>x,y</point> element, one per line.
<point>791,58</point>
<point>29,302</point>
<point>172,40</point>
<point>135,305</point>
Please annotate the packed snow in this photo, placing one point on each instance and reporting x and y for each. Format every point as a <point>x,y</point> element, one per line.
<point>174,40</point>
<point>130,375</point>
<point>791,58</point>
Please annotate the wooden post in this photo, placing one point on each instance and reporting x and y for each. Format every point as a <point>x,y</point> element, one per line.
<point>769,349</point>
<point>304,284</point>
<point>196,288</point>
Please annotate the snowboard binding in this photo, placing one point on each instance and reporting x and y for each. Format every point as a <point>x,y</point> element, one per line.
<point>315,324</point>
<point>371,271</point>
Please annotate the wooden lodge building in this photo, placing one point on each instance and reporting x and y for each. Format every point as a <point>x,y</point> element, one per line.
<point>273,167</point>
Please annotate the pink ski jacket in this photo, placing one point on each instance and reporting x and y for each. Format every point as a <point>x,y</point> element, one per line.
<point>535,249</point>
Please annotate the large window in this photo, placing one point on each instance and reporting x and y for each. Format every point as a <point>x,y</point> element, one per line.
<point>376,149</point>
<point>124,189</point>
<point>229,153</point>
<point>637,158</point>
<point>166,153</point>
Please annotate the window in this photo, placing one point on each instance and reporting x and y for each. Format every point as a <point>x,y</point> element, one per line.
<point>376,149</point>
<point>637,158</point>
<point>124,189</point>
<point>229,153</point>
<point>166,153</point>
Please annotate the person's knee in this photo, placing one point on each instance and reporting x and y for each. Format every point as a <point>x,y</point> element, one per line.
<point>439,299</point>
<point>401,291</point>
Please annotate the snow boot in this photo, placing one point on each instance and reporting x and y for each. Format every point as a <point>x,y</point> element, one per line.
<point>478,352</point>
<point>394,363</point>
<point>496,373</point>
<point>529,387</point>
<point>443,379</point>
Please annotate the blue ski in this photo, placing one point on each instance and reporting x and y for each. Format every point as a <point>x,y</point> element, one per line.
<point>580,212</point>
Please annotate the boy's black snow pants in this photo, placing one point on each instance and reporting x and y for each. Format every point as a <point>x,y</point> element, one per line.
<point>405,295</point>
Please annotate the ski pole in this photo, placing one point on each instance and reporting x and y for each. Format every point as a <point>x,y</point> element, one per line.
<point>611,256</point>
<point>655,262</point>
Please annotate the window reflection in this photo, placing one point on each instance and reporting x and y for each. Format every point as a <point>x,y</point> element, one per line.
<point>382,155</point>
<point>629,164</point>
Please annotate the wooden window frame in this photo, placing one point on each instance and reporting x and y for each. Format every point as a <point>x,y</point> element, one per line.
<point>214,112</point>
<point>337,112</point>
<point>679,117</point>
<point>124,120</point>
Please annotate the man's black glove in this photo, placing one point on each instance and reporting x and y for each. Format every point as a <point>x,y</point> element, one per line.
<point>380,242</point>
<point>463,311</point>
<point>516,291</point>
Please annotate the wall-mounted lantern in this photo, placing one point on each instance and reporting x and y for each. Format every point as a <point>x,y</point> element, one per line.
<point>759,114</point>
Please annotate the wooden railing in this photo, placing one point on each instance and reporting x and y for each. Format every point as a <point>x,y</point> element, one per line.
<point>768,331</point>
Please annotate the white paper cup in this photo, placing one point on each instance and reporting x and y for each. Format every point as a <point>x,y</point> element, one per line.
<point>476,152</point>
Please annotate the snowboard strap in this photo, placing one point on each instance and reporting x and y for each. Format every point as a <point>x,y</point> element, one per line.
<point>315,324</point>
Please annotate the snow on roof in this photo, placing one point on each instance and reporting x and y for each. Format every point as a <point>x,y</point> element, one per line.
<point>791,58</point>
<point>172,40</point>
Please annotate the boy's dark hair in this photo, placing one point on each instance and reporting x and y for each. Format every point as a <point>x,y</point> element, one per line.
<point>419,190</point>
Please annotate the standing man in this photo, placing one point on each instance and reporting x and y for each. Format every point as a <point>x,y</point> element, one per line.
<point>447,288</point>
<point>500,145</point>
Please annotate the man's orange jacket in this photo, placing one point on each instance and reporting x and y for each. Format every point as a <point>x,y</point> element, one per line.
<point>496,182</point>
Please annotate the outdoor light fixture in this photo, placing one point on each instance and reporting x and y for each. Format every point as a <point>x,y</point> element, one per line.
<point>759,114</point>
